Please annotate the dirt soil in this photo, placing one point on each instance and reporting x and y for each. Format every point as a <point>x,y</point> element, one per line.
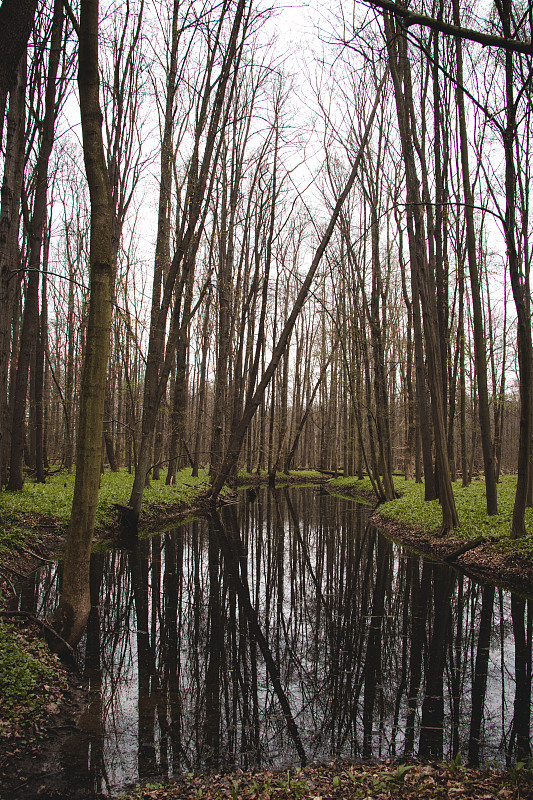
<point>28,755</point>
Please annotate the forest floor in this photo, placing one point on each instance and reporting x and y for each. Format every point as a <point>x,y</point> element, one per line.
<point>31,736</point>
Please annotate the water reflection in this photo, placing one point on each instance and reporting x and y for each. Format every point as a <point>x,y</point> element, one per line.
<point>283,630</point>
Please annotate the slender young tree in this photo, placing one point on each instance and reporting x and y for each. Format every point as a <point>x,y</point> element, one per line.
<point>212,114</point>
<point>477,313</point>
<point>255,398</point>
<point>420,267</point>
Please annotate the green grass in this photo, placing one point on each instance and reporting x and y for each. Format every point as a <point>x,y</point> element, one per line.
<point>352,484</point>
<point>411,509</point>
<point>292,475</point>
<point>20,510</point>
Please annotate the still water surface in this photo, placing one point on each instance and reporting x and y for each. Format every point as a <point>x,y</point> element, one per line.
<point>285,629</point>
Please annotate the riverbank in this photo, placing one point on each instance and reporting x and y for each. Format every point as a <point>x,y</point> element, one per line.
<point>24,748</point>
<point>488,551</point>
<point>340,780</point>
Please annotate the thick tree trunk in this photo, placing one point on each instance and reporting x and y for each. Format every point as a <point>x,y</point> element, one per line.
<point>378,351</point>
<point>108,425</point>
<point>178,416</point>
<point>70,618</point>
<point>520,286</point>
<point>16,22</point>
<point>202,390</point>
<point>424,416</point>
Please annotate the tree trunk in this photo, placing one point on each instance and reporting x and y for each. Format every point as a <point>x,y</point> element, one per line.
<point>254,399</point>
<point>70,618</point>
<point>520,287</point>
<point>477,312</point>
<point>30,320</point>
<point>42,341</point>
<point>158,361</point>
<point>400,69</point>
<point>9,228</point>
<point>16,22</point>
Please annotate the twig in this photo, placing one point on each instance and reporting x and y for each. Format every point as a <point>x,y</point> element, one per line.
<point>14,571</point>
<point>468,546</point>
<point>36,555</point>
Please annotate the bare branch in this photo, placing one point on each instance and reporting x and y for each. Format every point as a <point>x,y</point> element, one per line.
<point>486,39</point>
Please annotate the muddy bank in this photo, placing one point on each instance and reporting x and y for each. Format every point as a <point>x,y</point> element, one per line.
<point>46,543</point>
<point>31,744</point>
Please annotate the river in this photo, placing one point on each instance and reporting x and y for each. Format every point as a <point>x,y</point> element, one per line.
<point>282,630</point>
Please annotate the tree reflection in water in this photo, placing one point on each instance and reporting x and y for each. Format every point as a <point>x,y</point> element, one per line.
<point>282,630</point>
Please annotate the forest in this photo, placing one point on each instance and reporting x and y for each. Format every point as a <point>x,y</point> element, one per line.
<point>237,236</point>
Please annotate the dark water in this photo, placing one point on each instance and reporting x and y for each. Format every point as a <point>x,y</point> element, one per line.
<point>285,629</point>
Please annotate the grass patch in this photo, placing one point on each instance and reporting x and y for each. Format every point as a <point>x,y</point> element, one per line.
<point>11,535</point>
<point>184,492</point>
<point>19,511</point>
<point>292,475</point>
<point>411,509</point>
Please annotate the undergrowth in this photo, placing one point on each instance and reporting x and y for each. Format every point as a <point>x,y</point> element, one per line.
<point>292,475</point>
<point>19,511</point>
<point>411,509</point>
<point>28,680</point>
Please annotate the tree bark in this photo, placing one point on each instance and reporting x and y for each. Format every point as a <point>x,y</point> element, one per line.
<point>156,374</point>
<point>16,22</point>
<point>400,71</point>
<point>520,286</point>
<point>9,228</point>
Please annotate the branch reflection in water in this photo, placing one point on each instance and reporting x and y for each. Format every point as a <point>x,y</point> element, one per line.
<point>282,630</point>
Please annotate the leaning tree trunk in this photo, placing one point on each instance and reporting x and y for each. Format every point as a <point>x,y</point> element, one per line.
<point>70,618</point>
<point>255,399</point>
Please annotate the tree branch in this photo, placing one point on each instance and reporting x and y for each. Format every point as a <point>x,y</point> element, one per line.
<point>486,39</point>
